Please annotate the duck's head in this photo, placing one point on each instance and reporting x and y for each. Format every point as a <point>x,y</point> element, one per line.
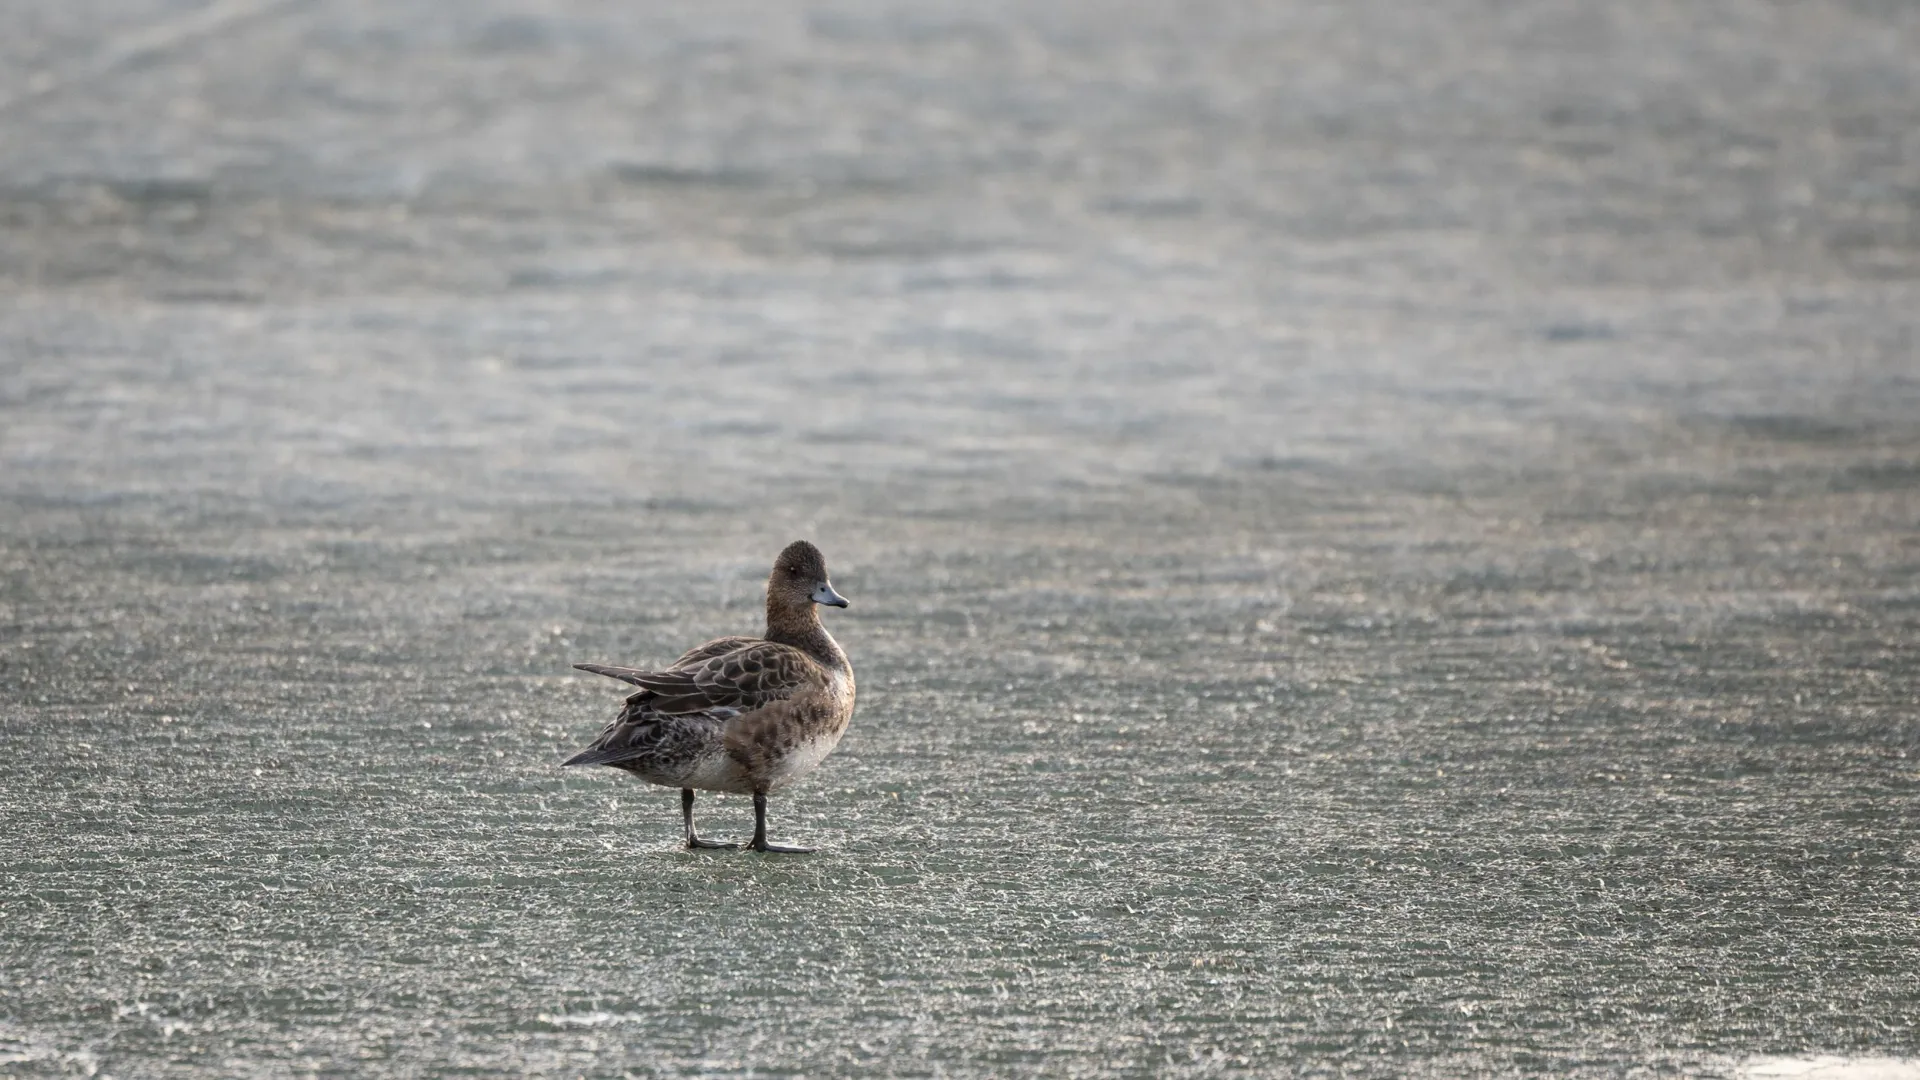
<point>799,579</point>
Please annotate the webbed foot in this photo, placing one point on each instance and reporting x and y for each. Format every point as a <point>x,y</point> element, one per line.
<point>782,849</point>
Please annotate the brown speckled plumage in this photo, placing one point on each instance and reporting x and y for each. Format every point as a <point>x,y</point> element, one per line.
<point>739,714</point>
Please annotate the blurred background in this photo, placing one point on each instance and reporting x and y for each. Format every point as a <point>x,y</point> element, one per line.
<point>1383,538</point>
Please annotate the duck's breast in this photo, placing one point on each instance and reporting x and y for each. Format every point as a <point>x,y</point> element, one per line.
<point>805,756</point>
<point>815,731</point>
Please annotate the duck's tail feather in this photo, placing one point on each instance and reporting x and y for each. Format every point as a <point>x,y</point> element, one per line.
<point>604,755</point>
<point>624,674</point>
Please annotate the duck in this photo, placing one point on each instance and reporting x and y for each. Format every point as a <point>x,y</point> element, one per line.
<point>743,715</point>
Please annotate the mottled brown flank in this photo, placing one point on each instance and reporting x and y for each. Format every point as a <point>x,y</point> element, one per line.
<point>758,701</point>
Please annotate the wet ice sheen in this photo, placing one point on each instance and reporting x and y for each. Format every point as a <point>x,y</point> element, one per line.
<point>1382,536</point>
<point>1832,1067</point>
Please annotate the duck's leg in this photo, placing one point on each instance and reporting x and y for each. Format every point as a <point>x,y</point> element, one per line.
<point>693,838</point>
<point>760,830</point>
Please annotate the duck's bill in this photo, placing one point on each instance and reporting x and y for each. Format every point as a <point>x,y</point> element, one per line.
<point>825,595</point>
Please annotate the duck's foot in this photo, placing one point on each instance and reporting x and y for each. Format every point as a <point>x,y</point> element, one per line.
<point>782,849</point>
<point>760,830</point>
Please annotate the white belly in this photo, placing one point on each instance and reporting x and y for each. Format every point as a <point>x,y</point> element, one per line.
<point>709,772</point>
<point>804,759</point>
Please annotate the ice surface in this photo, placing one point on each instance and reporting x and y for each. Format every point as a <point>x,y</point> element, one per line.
<point>1382,536</point>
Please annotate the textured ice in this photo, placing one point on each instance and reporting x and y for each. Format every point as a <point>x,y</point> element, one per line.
<point>1382,536</point>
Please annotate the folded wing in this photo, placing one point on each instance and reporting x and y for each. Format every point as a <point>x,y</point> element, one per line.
<point>741,680</point>
<point>697,696</point>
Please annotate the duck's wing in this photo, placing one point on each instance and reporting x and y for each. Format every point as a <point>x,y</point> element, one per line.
<point>694,699</point>
<point>750,677</point>
<point>697,655</point>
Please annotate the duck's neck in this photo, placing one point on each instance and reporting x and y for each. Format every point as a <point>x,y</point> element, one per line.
<point>800,627</point>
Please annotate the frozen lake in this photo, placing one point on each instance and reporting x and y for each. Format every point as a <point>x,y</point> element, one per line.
<point>1384,539</point>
